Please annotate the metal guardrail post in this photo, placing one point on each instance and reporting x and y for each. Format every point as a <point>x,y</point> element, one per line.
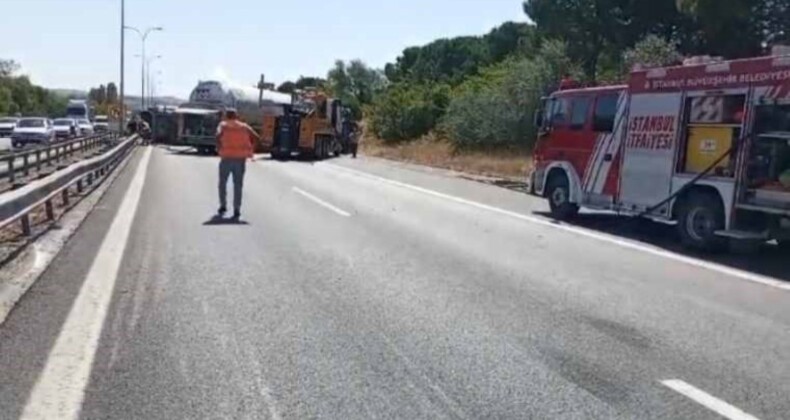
<point>11,175</point>
<point>65,196</point>
<point>38,160</point>
<point>50,210</point>
<point>80,187</point>
<point>25,164</point>
<point>26,225</point>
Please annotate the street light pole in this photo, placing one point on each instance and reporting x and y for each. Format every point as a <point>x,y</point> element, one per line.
<point>148,76</point>
<point>143,37</point>
<point>123,106</point>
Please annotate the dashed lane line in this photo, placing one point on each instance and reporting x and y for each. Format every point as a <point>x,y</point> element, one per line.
<point>710,402</point>
<point>321,202</point>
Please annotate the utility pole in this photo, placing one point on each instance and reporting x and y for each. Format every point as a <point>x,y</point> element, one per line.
<point>123,105</point>
<point>142,79</point>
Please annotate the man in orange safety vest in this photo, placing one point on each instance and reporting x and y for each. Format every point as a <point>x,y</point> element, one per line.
<point>235,144</point>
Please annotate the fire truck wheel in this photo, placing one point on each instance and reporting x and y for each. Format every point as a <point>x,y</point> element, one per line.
<point>559,193</point>
<point>701,215</point>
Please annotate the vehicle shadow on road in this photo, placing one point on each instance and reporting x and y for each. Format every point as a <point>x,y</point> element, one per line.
<point>768,260</point>
<point>223,221</point>
<point>184,151</point>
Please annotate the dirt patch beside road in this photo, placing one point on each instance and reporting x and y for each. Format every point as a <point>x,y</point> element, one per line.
<point>431,151</point>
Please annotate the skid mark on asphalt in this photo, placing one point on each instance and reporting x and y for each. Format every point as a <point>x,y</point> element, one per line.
<point>733,272</point>
<point>620,332</point>
<point>60,388</point>
<point>710,402</point>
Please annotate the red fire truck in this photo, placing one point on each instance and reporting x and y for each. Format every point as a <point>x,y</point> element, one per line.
<point>705,145</point>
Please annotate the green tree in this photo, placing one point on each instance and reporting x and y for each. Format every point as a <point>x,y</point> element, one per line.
<point>355,84</point>
<point>112,93</point>
<point>305,82</point>
<point>653,51</point>
<point>98,95</point>
<point>508,38</point>
<point>589,26</point>
<point>286,87</point>
<point>444,60</point>
<point>18,95</point>
<point>8,68</point>
<point>717,19</point>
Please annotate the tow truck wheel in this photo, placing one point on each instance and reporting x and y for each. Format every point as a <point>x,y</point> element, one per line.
<point>558,192</point>
<point>701,215</point>
<point>319,149</point>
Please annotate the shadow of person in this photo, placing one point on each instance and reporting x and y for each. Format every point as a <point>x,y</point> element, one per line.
<point>218,220</point>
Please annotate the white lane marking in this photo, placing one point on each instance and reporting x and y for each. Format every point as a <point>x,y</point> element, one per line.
<point>709,401</point>
<point>60,388</point>
<point>321,202</point>
<point>743,275</point>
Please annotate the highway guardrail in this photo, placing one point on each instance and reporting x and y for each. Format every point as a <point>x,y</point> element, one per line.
<point>17,164</point>
<point>17,205</point>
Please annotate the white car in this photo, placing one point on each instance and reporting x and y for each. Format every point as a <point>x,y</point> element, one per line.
<point>101,124</point>
<point>7,125</point>
<point>66,128</point>
<point>33,131</point>
<point>86,128</point>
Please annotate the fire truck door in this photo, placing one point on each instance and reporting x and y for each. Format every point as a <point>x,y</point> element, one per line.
<point>649,151</point>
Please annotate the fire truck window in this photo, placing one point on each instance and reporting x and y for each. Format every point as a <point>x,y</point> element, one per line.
<point>559,115</point>
<point>579,113</point>
<point>605,111</point>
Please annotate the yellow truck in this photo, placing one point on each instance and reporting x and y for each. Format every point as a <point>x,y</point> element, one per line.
<point>310,127</point>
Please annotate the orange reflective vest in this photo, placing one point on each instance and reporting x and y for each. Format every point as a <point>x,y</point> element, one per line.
<point>235,141</point>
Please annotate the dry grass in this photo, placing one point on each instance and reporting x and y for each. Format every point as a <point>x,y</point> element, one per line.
<point>432,151</point>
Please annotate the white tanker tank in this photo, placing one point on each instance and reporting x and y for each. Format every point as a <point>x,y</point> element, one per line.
<point>199,117</point>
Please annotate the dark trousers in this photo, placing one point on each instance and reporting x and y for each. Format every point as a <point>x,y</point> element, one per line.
<point>234,167</point>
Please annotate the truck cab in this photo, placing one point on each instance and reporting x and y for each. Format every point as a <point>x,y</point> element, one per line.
<point>575,126</point>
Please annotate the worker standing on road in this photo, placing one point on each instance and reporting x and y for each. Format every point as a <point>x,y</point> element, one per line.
<point>235,144</point>
<point>355,134</point>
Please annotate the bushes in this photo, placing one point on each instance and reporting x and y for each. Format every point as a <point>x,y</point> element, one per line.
<point>494,110</point>
<point>408,111</point>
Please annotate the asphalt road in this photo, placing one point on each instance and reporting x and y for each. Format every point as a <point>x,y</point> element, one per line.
<point>364,289</point>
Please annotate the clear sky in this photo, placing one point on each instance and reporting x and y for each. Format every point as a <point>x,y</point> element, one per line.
<point>75,43</point>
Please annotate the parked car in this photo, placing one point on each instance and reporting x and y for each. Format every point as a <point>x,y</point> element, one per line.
<point>66,128</point>
<point>7,125</point>
<point>101,124</point>
<point>33,131</point>
<point>86,128</point>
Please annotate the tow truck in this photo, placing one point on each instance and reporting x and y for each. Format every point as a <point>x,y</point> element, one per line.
<point>311,126</point>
